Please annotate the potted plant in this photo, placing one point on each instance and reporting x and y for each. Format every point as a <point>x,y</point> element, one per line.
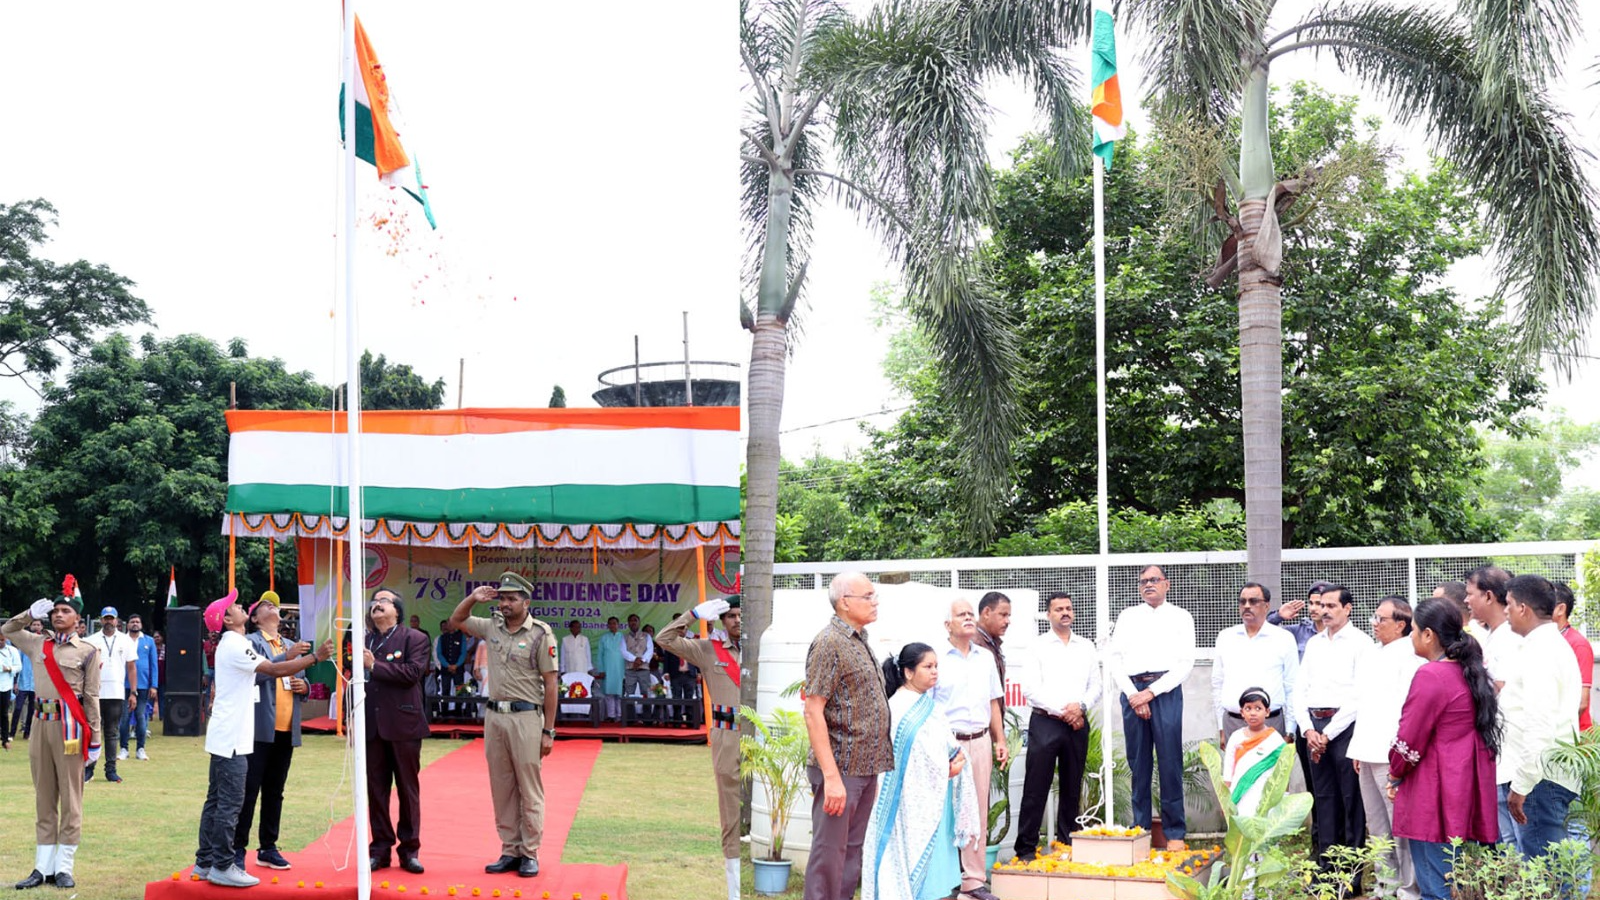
<point>775,755</point>
<point>1000,792</point>
<point>1253,861</point>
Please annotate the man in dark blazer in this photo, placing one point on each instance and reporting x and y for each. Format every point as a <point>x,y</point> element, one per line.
<point>396,659</point>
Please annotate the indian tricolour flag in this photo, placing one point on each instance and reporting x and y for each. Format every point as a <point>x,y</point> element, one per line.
<point>377,131</point>
<point>1106,106</point>
<point>664,466</point>
<point>172,588</point>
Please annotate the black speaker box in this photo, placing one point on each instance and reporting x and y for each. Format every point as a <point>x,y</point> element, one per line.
<point>185,659</point>
<point>180,714</point>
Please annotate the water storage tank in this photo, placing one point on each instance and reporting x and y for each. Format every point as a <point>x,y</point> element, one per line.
<point>669,384</point>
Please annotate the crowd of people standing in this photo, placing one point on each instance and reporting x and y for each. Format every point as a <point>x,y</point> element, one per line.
<point>1436,726</point>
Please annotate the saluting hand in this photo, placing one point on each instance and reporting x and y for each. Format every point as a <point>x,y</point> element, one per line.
<point>485,593</point>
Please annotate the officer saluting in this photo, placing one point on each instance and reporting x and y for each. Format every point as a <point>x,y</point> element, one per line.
<point>67,735</point>
<point>719,660</point>
<point>519,716</point>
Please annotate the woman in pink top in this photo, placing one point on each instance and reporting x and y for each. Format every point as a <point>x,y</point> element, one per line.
<point>1441,765</point>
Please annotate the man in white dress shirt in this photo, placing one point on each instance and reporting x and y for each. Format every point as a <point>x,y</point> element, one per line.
<point>1061,681</point>
<point>1254,653</point>
<point>1385,679</point>
<point>1540,708</point>
<point>576,653</point>
<point>1152,652</point>
<point>1486,599</point>
<point>970,695</point>
<point>1325,707</point>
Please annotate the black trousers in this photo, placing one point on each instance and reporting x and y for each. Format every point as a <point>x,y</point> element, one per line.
<point>22,715</point>
<point>397,764</point>
<point>5,715</point>
<point>1337,816</point>
<point>268,773</point>
<point>1055,750</point>
<point>111,723</point>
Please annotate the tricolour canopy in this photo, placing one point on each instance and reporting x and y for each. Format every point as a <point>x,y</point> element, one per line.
<point>489,467</point>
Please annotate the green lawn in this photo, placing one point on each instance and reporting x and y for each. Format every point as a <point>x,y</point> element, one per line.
<point>145,828</point>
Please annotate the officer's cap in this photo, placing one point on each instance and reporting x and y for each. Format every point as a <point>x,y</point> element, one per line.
<point>511,582</point>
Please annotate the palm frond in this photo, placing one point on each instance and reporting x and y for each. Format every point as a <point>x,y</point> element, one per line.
<point>1508,140</point>
<point>1200,52</point>
<point>1519,42</point>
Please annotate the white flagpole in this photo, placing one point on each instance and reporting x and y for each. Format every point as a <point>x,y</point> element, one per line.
<point>1102,569</point>
<point>358,567</point>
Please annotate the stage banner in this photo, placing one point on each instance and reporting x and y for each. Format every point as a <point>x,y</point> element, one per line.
<point>568,583</point>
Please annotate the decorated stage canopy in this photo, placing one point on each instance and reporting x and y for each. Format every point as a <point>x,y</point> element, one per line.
<point>665,478</point>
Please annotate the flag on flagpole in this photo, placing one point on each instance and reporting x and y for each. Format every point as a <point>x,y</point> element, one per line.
<point>377,134</point>
<point>172,589</point>
<point>1106,105</point>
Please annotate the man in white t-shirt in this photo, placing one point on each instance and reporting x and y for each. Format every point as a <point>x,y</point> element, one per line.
<point>231,734</point>
<point>118,655</point>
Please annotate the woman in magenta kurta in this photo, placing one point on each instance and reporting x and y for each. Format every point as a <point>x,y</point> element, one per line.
<point>1441,765</point>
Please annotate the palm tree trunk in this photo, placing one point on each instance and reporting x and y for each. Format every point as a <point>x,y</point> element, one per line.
<point>1260,352</point>
<point>768,359</point>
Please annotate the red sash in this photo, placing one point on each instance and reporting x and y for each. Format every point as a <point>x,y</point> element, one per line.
<point>69,699</point>
<point>727,660</point>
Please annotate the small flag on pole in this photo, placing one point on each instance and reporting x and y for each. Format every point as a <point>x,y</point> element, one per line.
<point>172,589</point>
<point>377,134</point>
<point>1106,101</point>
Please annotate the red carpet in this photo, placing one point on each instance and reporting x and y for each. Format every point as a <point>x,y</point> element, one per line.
<point>458,839</point>
<point>606,731</point>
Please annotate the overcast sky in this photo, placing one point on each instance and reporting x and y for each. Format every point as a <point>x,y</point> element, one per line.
<point>830,380</point>
<point>577,155</point>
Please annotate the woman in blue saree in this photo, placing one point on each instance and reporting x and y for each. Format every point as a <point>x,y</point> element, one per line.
<point>927,808</point>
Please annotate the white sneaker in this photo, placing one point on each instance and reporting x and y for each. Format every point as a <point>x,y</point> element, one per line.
<point>141,754</point>
<point>122,754</point>
<point>232,876</point>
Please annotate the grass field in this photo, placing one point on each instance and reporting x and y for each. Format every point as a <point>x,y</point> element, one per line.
<point>650,806</point>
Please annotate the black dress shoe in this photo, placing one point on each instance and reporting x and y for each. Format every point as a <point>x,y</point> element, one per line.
<point>503,864</point>
<point>64,880</point>
<point>529,867</point>
<point>411,864</point>
<point>378,862</point>
<point>33,880</point>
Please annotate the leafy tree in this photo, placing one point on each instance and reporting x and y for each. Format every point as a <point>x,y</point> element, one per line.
<point>1475,76</point>
<point>558,398</point>
<point>385,386</point>
<point>126,472</point>
<point>50,311</point>
<point>1525,486</point>
<point>1373,340</point>
<point>897,96</point>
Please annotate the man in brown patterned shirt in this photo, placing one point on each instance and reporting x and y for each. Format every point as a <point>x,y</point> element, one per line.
<point>847,720</point>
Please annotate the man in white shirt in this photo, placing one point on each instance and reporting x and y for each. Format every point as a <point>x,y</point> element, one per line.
<point>970,695</point>
<point>1540,709</point>
<point>1254,653</point>
<point>231,734</point>
<point>576,656</point>
<point>1491,625</point>
<point>1325,707</point>
<point>1385,679</point>
<point>1152,652</point>
<point>118,658</point>
<point>1061,681</point>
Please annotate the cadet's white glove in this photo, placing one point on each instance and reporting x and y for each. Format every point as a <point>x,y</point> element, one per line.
<point>41,608</point>
<point>94,755</point>
<point>711,610</point>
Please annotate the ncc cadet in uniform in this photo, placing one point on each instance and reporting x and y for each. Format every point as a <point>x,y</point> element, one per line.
<point>719,660</point>
<point>67,692</point>
<point>519,716</point>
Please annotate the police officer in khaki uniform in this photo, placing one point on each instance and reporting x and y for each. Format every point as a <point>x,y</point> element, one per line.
<point>720,665</point>
<point>56,754</point>
<point>519,715</point>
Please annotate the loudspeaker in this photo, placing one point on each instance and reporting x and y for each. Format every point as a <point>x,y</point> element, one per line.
<point>180,714</point>
<point>185,659</point>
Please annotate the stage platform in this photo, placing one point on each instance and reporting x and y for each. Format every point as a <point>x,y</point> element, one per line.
<point>565,731</point>
<point>458,839</point>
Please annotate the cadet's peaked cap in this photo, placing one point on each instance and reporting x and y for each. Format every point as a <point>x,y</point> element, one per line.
<point>511,581</point>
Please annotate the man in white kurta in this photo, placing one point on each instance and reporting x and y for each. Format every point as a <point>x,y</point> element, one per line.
<point>575,652</point>
<point>1382,682</point>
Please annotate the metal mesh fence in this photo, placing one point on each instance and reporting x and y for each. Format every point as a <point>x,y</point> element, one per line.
<point>1207,584</point>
